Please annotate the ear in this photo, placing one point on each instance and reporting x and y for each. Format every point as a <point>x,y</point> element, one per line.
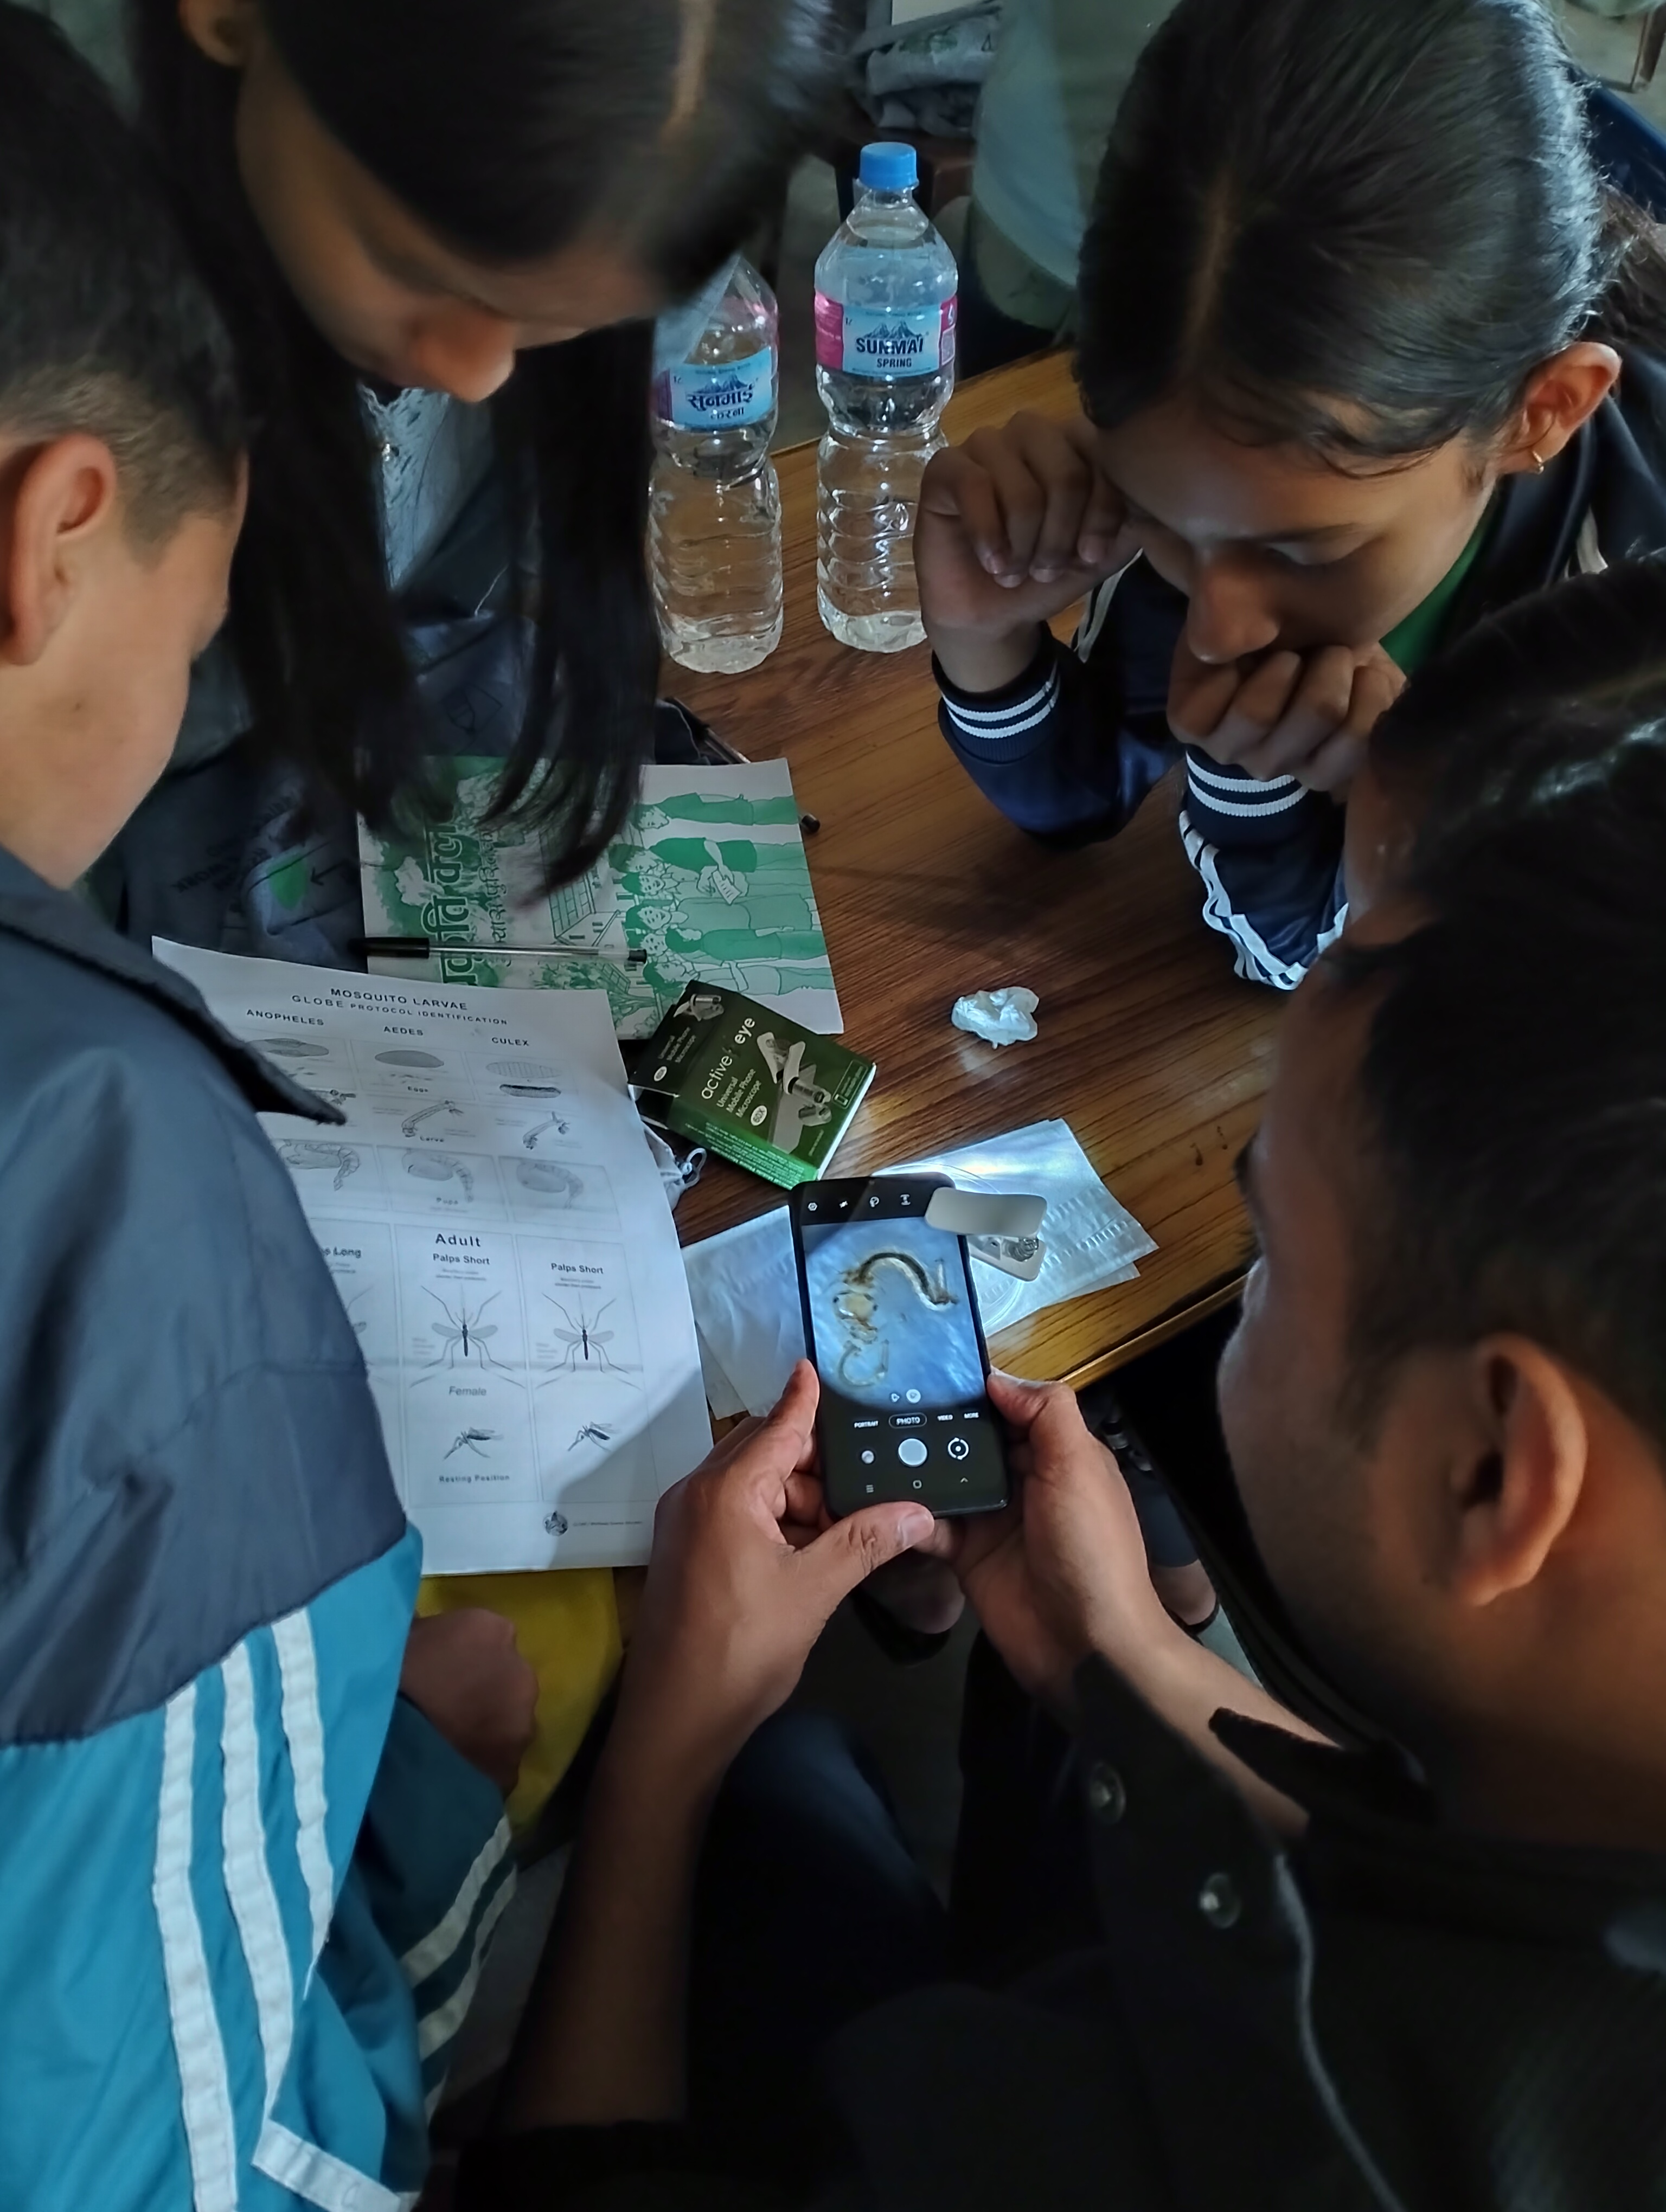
<point>225,30</point>
<point>62,497</point>
<point>1562,394</point>
<point>1515,1486</point>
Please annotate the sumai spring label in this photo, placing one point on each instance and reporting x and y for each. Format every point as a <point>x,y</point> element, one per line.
<point>885,343</point>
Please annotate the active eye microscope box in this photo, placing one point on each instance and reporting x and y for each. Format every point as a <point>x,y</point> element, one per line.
<point>749,1085</point>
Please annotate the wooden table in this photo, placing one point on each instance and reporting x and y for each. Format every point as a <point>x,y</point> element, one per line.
<point>1150,1048</point>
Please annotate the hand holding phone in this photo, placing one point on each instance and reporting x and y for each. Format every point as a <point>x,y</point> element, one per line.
<point>892,1324</point>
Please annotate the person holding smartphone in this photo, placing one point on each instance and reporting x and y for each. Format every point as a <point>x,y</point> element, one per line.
<point>1428,1976</point>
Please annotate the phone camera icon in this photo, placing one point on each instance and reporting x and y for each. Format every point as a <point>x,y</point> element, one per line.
<point>867,1456</point>
<point>913,1397</point>
<point>958,1448</point>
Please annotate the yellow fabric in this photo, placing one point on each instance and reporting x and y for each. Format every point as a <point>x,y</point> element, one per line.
<point>567,1625</point>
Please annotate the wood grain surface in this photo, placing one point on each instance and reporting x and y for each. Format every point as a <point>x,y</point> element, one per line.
<point>1150,1048</point>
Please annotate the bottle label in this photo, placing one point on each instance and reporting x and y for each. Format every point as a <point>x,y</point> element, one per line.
<point>725,397</point>
<point>885,344</point>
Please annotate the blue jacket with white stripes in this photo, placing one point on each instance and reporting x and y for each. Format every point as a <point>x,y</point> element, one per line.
<point>1069,749</point>
<point>245,1888</point>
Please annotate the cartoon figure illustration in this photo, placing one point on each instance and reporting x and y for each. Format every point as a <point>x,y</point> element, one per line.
<point>312,1154</point>
<point>472,1440</point>
<point>555,1523</point>
<point>441,1167</point>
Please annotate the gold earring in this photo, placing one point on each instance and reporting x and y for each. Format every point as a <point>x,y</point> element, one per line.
<point>1538,461</point>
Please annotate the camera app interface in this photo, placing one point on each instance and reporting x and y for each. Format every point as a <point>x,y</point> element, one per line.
<point>896,1348</point>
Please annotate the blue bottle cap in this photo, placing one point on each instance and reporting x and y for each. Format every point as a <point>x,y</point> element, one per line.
<point>888,166</point>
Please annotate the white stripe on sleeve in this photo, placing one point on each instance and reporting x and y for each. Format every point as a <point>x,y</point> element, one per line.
<point>303,1730</point>
<point>428,1956</point>
<point>318,2179</point>
<point>248,1877</point>
<point>438,2026</point>
<point>204,2090</point>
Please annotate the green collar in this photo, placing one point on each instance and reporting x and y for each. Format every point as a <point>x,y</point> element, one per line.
<point>1411,642</point>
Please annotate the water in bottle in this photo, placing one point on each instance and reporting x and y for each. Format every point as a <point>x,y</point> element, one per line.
<point>885,293</point>
<point>713,535</point>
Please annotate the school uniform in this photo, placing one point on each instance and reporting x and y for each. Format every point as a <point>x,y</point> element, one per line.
<point>245,1887</point>
<point>1070,748</point>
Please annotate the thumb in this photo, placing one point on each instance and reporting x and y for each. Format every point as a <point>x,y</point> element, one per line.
<point>848,1551</point>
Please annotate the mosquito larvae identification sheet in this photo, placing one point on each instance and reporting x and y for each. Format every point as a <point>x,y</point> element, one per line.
<point>502,1242</point>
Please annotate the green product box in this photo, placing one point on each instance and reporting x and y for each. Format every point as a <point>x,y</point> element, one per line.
<point>749,1085</point>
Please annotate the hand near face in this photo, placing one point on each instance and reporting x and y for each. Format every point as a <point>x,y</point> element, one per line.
<point>1308,715</point>
<point>744,1577</point>
<point>1011,528</point>
<point>463,1672</point>
<point>1061,1572</point>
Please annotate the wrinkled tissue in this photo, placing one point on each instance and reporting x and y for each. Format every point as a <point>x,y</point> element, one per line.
<point>1003,1017</point>
<point>744,1289</point>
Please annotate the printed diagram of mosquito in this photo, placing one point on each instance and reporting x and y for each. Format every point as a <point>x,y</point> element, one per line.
<point>472,1440</point>
<point>441,1167</point>
<point>591,1433</point>
<point>465,1338</point>
<point>541,1129</point>
<point>586,1343</point>
<point>341,1160</point>
<point>412,1123</point>
<point>549,1179</point>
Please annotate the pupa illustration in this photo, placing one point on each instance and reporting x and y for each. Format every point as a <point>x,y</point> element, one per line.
<point>441,1167</point>
<point>549,1178</point>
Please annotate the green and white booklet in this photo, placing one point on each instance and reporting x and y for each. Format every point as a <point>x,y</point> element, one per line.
<point>707,882</point>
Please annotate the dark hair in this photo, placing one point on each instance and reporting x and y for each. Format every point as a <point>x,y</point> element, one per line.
<point>1513,1082</point>
<point>1355,225</point>
<point>1586,643</point>
<point>104,326</point>
<point>509,128</point>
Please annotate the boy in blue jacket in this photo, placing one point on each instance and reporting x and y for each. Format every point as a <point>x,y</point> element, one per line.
<point>246,1886</point>
<point>1368,351</point>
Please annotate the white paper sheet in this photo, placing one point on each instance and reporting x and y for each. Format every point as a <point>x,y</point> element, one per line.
<point>502,1241</point>
<point>744,1286</point>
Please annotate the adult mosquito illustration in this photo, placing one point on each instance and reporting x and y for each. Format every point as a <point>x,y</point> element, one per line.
<point>471,1439</point>
<point>591,1433</point>
<point>463,1333</point>
<point>585,1340</point>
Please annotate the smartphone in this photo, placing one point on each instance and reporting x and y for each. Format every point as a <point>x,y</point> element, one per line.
<point>891,1325</point>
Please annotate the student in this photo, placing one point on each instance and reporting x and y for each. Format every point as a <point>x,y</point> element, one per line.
<point>1595,640</point>
<point>1367,351</point>
<point>246,1884</point>
<point>1307,1976</point>
<point>409,211</point>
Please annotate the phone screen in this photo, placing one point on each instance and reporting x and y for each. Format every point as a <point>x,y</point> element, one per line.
<point>894,1333</point>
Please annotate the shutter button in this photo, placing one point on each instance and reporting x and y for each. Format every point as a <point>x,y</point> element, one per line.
<point>1218,1901</point>
<point>1107,1800</point>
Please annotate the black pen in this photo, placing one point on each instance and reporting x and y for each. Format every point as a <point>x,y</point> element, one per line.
<point>428,948</point>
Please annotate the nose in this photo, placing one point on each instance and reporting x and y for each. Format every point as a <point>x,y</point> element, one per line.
<point>1228,615</point>
<point>463,350</point>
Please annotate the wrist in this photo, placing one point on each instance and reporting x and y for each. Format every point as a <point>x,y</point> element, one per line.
<point>981,660</point>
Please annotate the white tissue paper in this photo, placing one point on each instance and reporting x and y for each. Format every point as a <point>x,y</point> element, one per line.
<point>1003,1017</point>
<point>745,1288</point>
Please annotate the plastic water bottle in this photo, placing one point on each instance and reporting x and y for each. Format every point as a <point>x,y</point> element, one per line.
<point>886,294</point>
<point>713,535</point>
